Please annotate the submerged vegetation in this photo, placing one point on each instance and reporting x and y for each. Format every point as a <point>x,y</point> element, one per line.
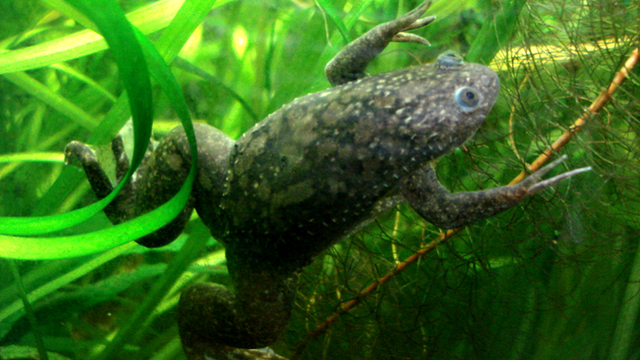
<point>554,278</point>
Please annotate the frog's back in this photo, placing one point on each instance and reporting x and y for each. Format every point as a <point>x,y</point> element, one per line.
<point>328,157</point>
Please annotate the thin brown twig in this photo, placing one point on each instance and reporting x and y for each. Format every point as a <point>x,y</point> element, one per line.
<point>592,110</point>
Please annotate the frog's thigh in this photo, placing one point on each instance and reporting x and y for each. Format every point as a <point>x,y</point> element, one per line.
<point>214,148</point>
<point>253,316</point>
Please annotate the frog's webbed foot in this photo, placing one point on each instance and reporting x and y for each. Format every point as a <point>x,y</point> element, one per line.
<point>349,64</point>
<point>79,154</point>
<point>142,193</point>
<point>215,322</point>
<point>208,321</point>
<point>448,210</point>
<point>417,23</point>
<point>229,353</point>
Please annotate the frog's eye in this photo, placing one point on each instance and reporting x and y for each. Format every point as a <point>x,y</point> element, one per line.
<point>467,98</point>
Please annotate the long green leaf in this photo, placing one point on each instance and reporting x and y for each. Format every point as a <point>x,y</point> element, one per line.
<point>193,246</point>
<point>76,245</point>
<point>496,33</point>
<point>55,101</point>
<point>331,11</point>
<point>623,337</point>
<point>148,19</point>
<point>10,310</point>
<point>35,157</point>
<point>118,33</point>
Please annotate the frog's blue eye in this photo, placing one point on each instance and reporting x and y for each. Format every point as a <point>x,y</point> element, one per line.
<point>467,98</point>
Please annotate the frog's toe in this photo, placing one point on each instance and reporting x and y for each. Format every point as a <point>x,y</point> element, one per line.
<point>406,37</point>
<point>77,154</point>
<point>534,184</point>
<point>412,21</point>
<point>420,23</point>
<point>120,156</point>
<point>416,13</point>
<point>556,179</point>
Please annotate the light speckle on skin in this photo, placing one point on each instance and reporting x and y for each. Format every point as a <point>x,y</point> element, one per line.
<point>383,103</point>
<point>175,161</point>
<point>332,114</point>
<point>263,191</point>
<point>292,195</point>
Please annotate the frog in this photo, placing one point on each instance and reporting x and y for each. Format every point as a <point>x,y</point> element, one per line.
<point>310,175</point>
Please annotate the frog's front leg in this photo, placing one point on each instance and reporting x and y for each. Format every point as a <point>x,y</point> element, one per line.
<point>159,177</point>
<point>349,64</point>
<point>436,204</point>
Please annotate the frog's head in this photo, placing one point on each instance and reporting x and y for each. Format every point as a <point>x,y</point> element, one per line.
<point>439,106</point>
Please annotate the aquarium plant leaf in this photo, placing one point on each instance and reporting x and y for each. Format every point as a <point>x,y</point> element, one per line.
<point>31,317</point>
<point>85,79</point>
<point>623,339</point>
<point>76,245</point>
<point>117,31</point>
<point>52,157</point>
<point>148,19</point>
<point>54,100</point>
<point>194,245</point>
<point>331,11</point>
<point>12,312</point>
<point>495,33</point>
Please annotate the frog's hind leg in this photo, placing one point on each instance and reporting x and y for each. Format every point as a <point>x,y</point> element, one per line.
<point>216,322</point>
<point>350,63</point>
<point>159,177</point>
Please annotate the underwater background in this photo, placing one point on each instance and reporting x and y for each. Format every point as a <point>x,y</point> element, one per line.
<point>556,277</point>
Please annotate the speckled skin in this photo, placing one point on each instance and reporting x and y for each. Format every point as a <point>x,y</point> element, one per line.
<point>309,175</point>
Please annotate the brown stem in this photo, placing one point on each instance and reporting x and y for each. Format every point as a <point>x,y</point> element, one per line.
<point>592,110</point>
